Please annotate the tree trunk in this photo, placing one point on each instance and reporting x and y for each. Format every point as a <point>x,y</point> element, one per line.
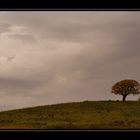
<point>124,97</point>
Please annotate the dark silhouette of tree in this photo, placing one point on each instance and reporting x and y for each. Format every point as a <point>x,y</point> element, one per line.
<point>126,87</point>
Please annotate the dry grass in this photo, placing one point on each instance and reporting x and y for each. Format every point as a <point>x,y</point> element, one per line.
<point>82,115</point>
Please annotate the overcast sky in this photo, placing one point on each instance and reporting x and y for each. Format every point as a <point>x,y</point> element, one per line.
<point>59,56</point>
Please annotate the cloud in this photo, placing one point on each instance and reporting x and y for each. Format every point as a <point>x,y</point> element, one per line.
<point>66,56</point>
<point>16,84</point>
<point>4,59</point>
<point>4,27</point>
<point>10,58</point>
<point>24,38</point>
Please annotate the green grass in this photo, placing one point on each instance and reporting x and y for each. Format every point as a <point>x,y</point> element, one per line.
<point>81,115</point>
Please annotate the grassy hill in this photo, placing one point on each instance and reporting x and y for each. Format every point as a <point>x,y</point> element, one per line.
<point>81,115</point>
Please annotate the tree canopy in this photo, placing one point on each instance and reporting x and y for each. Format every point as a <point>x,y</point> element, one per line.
<point>126,87</point>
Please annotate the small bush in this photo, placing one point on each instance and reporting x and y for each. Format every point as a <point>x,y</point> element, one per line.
<point>133,121</point>
<point>127,114</point>
<point>115,122</point>
<point>108,110</point>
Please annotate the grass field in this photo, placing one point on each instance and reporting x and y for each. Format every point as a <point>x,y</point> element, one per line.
<point>81,115</point>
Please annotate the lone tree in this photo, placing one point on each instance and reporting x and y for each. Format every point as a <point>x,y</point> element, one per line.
<point>126,87</point>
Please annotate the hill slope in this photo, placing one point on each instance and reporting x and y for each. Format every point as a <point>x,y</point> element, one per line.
<point>82,115</point>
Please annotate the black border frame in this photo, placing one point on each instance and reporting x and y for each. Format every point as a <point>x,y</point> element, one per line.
<point>69,4</point>
<point>44,5</point>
